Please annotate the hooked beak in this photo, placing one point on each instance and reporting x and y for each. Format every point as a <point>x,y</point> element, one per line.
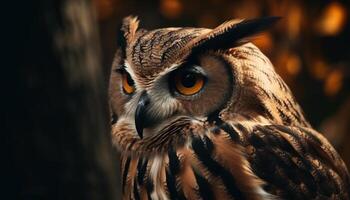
<point>140,114</point>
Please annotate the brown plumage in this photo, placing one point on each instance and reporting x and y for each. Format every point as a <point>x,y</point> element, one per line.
<point>201,114</point>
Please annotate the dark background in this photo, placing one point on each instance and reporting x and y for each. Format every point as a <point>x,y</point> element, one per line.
<point>55,139</point>
<point>309,47</point>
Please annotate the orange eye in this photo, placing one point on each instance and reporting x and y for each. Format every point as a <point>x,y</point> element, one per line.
<point>189,83</point>
<point>128,83</point>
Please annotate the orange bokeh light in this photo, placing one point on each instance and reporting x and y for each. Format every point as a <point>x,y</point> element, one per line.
<point>319,69</point>
<point>293,64</point>
<point>334,82</point>
<point>171,8</point>
<point>333,19</point>
<point>264,42</point>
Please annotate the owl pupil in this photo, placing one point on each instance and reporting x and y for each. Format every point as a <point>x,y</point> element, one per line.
<point>129,80</point>
<point>189,80</point>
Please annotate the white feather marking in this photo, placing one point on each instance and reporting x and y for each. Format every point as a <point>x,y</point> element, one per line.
<point>158,193</point>
<point>264,195</point>
<point>128,68</point>
<point>169,69</point>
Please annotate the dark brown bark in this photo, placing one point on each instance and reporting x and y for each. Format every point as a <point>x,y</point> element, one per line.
<point>57,135</point>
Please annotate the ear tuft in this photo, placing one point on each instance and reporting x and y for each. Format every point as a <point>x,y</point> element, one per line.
<point>129,27</point>
<point>127,31</point>
<point>231,34</point>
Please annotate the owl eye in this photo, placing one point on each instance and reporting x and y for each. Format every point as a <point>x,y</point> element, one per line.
<point>128,83</point>
<point>189,83</point>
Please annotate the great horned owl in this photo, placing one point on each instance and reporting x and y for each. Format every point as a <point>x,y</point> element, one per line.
<point>201,114</point>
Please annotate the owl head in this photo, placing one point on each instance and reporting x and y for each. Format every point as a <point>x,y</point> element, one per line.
<point>165,79</point>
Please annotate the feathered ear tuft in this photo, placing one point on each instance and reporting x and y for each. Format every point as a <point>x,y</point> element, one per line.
<point>231,34</point>
<point>127,31</point>
<point>129,27</point>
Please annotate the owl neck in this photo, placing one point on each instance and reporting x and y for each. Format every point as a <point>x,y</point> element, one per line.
<point>259,91</point>
<point>264,105</point>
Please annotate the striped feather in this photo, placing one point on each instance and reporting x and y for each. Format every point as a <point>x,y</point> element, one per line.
<point>258,145</point>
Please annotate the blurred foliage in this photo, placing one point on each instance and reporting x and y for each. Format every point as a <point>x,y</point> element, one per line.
<point>309,47</point>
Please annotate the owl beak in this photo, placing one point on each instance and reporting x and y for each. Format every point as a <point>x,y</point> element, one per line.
<point>140,113</point>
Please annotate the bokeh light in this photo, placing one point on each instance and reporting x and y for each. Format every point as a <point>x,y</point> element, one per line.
<point>170,8</point>
<point>332,20</point>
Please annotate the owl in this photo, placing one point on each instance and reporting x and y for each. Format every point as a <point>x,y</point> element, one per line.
<point>201,113</point>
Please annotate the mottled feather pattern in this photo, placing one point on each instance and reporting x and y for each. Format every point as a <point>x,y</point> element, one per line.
<point>152,48</point>
<point>200,155</point>
<point>267,92</point>
<point>254,143</point>
<point>234,160</point>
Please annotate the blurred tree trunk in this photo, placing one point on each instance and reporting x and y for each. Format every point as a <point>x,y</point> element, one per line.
<point>57,136</point>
